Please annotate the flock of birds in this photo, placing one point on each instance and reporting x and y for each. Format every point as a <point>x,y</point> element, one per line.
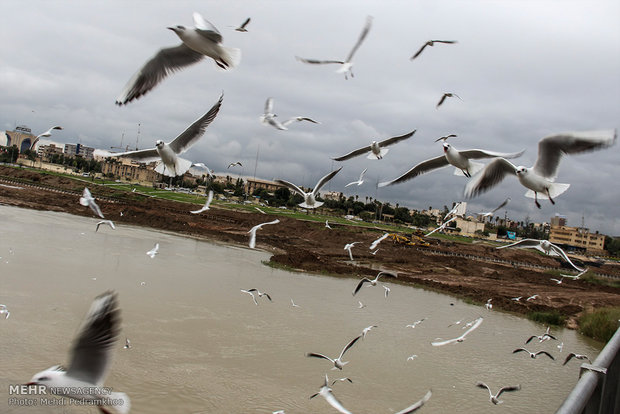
<point>95,342</point>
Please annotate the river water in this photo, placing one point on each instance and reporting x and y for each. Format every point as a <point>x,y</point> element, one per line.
<point>200,345</point>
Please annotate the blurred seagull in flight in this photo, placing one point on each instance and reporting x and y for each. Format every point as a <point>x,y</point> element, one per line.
<point>375,243</point>
<point>242,28</point>
<point>199,41</point>
<point>461,338</point>
<point>326,392</point>
<point>338,363</point>
<point>207,204</point>
<point>576,356</point>
<point>387,290</point>
<point>366,330</point>
<point>557,281</point>
<point>327,225</point>
<point>269,118</point>
<point>533,355</point>
<point>46,134</point>
<point>443,226</point>
<point>91,358</point>
<point>127,344</point>
<point>416,323</point>
<point>431,43</point>
<point>88,200</point>
<point>342,380</point>
<point>359,181</point>
<point>5,311</point>
<point>346,66</point>
<point>310,197</point>
<point>542,338</point>
<point>259,293</point>
<point>575,277</point>
<point>154,251</point>
<point>253,230</point>
<point>540,178</point>
<point>443,98</point>
<point>373,282</point>
<point>544,246</point>
<point>453,211</point>
<point>495,398</point>
<point>293,304</point>
<point>108,222</point>
<point>490,213</point>
<point>461,160</point>
<point>348,248</point>
<point>531,298</point>
<point>376,150</point>
<point>234,164</point>
<point>445,137</point>
<point>169,164</point>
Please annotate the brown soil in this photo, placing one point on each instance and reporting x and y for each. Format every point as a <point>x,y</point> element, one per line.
<point>310,246</point>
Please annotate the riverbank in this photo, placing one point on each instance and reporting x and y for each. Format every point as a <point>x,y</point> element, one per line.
<point>477,271</point>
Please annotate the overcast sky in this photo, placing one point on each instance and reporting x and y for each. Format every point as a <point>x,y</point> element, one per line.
<point>524,70</point>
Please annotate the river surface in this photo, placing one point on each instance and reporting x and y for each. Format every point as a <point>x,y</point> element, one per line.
<point>200,345</point>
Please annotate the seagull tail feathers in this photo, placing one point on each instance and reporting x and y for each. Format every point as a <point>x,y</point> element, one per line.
<point>231,56</point>
<point>372,156</point>
<point>554,190</point>
<point>123,407</point>
<point>315,205</point>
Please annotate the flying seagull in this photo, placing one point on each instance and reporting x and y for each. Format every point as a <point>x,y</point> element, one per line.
<point>461,338</point>
<point>207,204</point>
<point>544,246</point>
<point>366,330</point>
<point>540,178</point>
<point>243,25</point>
<point>443,98</point>
<point>416,323</point>
<point>154,251</point>
<point>359,181</point>
<point>445,137</point>
<point>253,230</point>
<point>461,160</point>
<point>5,311</point>
<point>269,118</point>
<point>489,305</point>
<point>375,243</point>
<point>259,293</point>
<point>454,209</point>
<point>346,66</point>
<point>91,359</point>
<point>348,248</point>
<point>531,298</point>
<point>533,355</point>
<point>199,41</point>
<point>576,356</point>
<point>575,277</point>
<point>387,290</point>
<point>443,226</point>
<point>373,282</point>
<point>327,225</point>
<point>310,198</point>
<point>495,398</point>
<point>376,149</point>
<point>108,222</point>
<point>490,213</point>
<point>342,380</point>
<point>557,281</point>
<point>234,164</point>
<point>326,392</point>
<point>167,153</point>
<point>127,344</point>
<point>431,43</point>
<point>338,363</point>
<point>201,169</point>
<point>46,134</point>
<point>541,338</point>
<point>88,200</point>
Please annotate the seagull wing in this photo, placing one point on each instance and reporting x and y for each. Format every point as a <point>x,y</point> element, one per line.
<point>196,130</point>
<point>394,140</point>
<point>349,345</point>
<point>206,29</point>
<point>530,338</point>
<point>520,350</point>
<point>269,106</point>
<point>508,389</point>
<point>299,119</point>
<point>474,326</point>
<point>145,155</point>
<point>421,168</point>
<point>506,201</point>
<point>417,405</point>
<point>419,51</point>
<point>552,148</point>
<point>489,176</point>
<point>209,199</point>
<point>362,174</point>
<point>318,62</point>
<point>545,353</point>
<point>91,355</point>
<point>333,401</point>
<point>352,154</point>
<point>561,253</point>
<point>443,98</point>
<point>324,181</point>
<point>379,240</point>
<point>359,285</point>
<point>291,186</point>
<point>361,38</point>
<point>315,355</point>
<point>483,385</point>
<point>478,154</point>
<point>247,21</point>
<point>449,341</point>
<point>156,69</point>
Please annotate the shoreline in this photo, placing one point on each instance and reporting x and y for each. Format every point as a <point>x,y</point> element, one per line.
<point>311,247</point>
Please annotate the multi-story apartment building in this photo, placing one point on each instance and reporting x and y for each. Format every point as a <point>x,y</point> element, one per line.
<point>577,237</point>
<point>130,170</point>
<point>72,150</point>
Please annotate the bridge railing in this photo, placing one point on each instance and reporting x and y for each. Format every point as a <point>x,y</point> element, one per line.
<point>598,388</point>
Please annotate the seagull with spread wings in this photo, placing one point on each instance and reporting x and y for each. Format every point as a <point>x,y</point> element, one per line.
<point>46,134</point>
<point>310,197</point>
<point>338,362</point>
<point>495,398</point>
<point>269,118</point>
<point>373,282</point>
<point>242,28</point>
<point>254,229</point>
<point>359,181</point>
<point>431,43</point>
<point>544,246</point>
<point>490,213</point>
<point>376,150</point>
<point>207,204</point>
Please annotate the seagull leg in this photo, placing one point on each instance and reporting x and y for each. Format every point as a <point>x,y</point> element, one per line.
<point>466,173</point>
<point>536,199</point>
<point>550,199</point>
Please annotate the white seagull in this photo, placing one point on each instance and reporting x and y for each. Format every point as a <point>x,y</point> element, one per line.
<point>327,225</point>
<point>207,204</point>
<point>361,305</point>
<point>533,355</point>
<point>91,359</point>
<point>46,134</point>
<point>348,248</point>
<point>108,222</point>
<point>557,281</point>
<point>446,137</point>
<point>169,164</point>
<point>387,290</point>
<point>293,304</point>
<point>577,276</point>
<point>416,323</point>
<point>461,338</point>
<point>269,118</point>
<point>454,209</point>
<point>154,251</point>
<point>544,246</point>
<point>366,330</point>
<point>443,98</point>
<point>234,164</point>
<point>88,200</point>
<point>5,311</point>
<point>576,356</point>
<point>540,178</point>
<point>373,282</point>
<point>201,169</point>
<point>326,392</point>
<point>253,230</point>
<point>376,150</point>
<point>431,43</point>
<point>258,292</point>
<point>127,344</point>
<point>359,181</point>
<point>338,363</point>
<point>346,66</point>
<point>490,213</point>
<point>199,41</point>
<point>375,243</point>
<point>495,398</point>
<point>541,338</point>
<point>489,305</point>
<point>443,226</point>
<point>242,28</point>
<point>310,197</point>
<point>461,160</point>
